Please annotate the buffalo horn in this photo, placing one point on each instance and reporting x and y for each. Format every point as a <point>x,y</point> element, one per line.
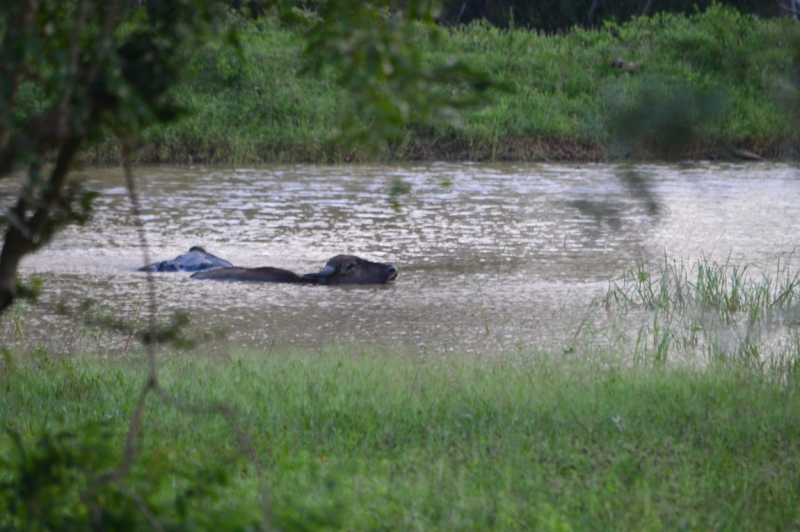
<point>328,270</point>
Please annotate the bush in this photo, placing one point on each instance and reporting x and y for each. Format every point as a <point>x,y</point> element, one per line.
<point>55,484</point>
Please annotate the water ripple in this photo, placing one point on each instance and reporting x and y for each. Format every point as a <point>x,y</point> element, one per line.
<point>491,256</point>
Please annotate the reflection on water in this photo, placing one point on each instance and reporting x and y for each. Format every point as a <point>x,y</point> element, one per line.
<point>491,257</point>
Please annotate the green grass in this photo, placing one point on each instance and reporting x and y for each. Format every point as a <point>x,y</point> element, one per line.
<point>381,441</point>
<point>719,80</point>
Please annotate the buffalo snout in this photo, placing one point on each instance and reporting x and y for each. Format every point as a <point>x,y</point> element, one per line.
<point>349,269</point>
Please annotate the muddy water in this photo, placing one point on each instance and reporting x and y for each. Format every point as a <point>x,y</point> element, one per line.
<point>492,257</point>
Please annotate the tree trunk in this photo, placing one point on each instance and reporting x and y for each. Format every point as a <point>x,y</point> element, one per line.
<point>24,234</point>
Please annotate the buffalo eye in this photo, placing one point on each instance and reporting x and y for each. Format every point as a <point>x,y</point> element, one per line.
<point>349,267</point>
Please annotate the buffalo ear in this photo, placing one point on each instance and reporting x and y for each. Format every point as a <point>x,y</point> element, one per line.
<point>325,272</point>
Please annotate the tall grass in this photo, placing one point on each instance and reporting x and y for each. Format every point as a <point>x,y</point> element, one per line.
<point>254,106</point>
<point>703,312</point>
<point>377,441</point>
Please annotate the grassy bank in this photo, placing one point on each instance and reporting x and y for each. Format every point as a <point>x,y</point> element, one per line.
<point>380,442</point>
<point>716,81</point>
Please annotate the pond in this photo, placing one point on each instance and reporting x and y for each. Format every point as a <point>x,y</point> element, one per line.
<point>492,257</point>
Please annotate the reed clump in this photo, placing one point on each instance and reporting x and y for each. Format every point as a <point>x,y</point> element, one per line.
<point>701,312</point>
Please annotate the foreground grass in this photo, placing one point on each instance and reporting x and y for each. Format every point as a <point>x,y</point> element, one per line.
<point>566,104</point>
<point>383,442</point>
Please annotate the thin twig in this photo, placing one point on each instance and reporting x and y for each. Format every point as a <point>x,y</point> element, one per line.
<point>142,506</point>
<point>152,383</point>
<point>243,441</point>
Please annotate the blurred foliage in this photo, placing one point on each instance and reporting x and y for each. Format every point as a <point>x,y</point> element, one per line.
<point>671,115</point>
<point>666,118</point>
<point>53,484</point>
<point>717,79</point>
<point>376,56</point>
<point>69,73</point>
<point>397,191</point>
<point>66,479</point>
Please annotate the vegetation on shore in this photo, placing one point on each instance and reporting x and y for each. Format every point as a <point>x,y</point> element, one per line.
<point>710,83</point>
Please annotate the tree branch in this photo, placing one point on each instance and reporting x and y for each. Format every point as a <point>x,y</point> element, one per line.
<point>23,236</point>
<point>18,23</point>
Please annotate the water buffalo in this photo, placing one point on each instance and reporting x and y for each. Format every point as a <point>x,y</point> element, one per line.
<point>196,260</point>
<point>341,269</point>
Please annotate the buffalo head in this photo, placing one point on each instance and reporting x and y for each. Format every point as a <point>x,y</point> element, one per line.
<point>349,269</point>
